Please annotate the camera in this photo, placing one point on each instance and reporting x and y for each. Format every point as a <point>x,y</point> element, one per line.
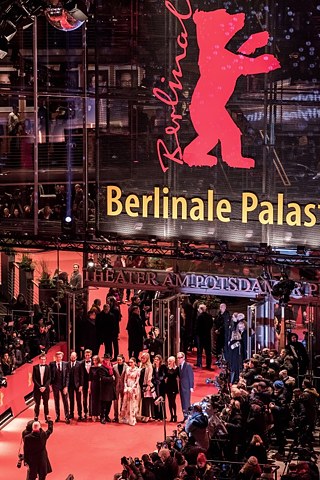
<point>137,462</point>
<point>20,460</point>
<point>178,444</point>
<point>3,382</point>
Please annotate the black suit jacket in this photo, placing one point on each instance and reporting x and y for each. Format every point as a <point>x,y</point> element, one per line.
<point>85,374</point>
<point>36,377</point>
<point>65,373</point>
<point>75,375</point>
<point>35,452</point>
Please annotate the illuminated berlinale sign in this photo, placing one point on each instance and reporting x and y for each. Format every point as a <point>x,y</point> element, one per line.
<point>219,71</point>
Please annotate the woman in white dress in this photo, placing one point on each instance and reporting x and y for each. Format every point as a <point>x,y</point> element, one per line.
<point>131,398</point>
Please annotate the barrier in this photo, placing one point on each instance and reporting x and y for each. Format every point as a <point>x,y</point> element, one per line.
<point>17,394</point>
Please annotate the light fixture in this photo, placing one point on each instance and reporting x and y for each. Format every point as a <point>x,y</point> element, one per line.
<point>104,263</point>
<point>3,48</point>
<point>77,9</point>
<point>65,16</point>
<point>90,264</point>
<point>68,225</point>
<point>224,245</point>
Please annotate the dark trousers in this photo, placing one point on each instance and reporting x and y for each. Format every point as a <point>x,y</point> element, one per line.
<point>35,477</point>
<point>160,411</point>
<point>74,392</point>
<point>108,346</point>
<point>86,401</point>
<point>56,395</point>
<point>117,404</point>
<point>115,345</point>
<point>37,395</point>
<point>280,437</point>
<point>204,344</point>
<point>185,398</point>
<point>134,352</point>
<point>172,404</point>
<point>105,408</point>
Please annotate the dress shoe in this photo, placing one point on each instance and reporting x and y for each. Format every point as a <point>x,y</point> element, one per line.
<point>36,419</point>
<point>85,418</point>
<point>103,421</point>
<point>80,419</point>
<point>115,420</point>
<point>67,421</point>
<point>57,419</point>
<point>174,418</point>
<point>209,368</point>
<point>71,417</point>
<point>108,419</point>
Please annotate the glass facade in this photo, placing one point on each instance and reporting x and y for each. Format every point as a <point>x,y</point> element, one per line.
<point>110,110</point>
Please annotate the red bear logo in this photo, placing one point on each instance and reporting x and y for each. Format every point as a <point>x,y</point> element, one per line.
<point>219,72</point>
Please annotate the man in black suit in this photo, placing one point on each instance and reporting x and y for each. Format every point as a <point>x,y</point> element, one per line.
<point>186,383</point>
<point>75,382</point>
<point>59,382</point>
<point>85,370</point>
<point>35,451</point>
<point>41,386</point>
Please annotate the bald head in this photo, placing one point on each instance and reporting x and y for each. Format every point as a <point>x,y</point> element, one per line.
<point>36,426</point>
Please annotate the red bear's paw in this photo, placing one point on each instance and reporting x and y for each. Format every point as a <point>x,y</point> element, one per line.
<point>198,160</point>
<point>242,162</point>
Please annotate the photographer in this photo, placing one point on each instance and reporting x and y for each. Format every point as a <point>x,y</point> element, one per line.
<point>130,469</point>
<point>196,427</point>
<point>35,452</point>
<point>153,343</point>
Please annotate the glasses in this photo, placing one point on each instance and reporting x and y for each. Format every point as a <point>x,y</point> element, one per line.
<point>179,356</point>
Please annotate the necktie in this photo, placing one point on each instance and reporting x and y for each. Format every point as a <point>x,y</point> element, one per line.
<point>59,367</point>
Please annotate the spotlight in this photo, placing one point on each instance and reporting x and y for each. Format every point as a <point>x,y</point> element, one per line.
<point>77,9</point>
<point>153,240</point>
<point>90,264</point>
<point>282,290</point>
<point>65,16</point>
<point>3,48</point>
<point>104,263</point>
<point>68,225</point>
<point>224,245</point>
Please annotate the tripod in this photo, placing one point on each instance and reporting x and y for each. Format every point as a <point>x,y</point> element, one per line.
<point>161,401</point>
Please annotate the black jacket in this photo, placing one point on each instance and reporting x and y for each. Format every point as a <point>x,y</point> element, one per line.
<point>35,452</point>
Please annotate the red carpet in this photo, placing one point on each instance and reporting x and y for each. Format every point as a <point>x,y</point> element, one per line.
<point>90,451</point>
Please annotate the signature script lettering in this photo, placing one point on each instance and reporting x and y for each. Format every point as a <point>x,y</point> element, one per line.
<point>172,99</point>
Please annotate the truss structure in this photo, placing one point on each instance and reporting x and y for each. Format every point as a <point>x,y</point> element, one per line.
<point>216,252</point>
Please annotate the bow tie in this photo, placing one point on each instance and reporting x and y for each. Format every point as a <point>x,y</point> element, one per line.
<point>41,365</point>
<point>88,363</point>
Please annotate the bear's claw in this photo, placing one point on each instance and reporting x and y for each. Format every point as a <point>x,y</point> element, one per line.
<point>194,160</point>
<point>243,162</point>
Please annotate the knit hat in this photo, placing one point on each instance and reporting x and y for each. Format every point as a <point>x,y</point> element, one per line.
<point>278,384</point>
<point>201,457</point>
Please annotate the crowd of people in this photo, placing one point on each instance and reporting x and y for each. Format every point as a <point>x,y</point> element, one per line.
<point>24,334</point>
<point>18,203</point>
<point>264,411</point>
<point>138,393</point>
